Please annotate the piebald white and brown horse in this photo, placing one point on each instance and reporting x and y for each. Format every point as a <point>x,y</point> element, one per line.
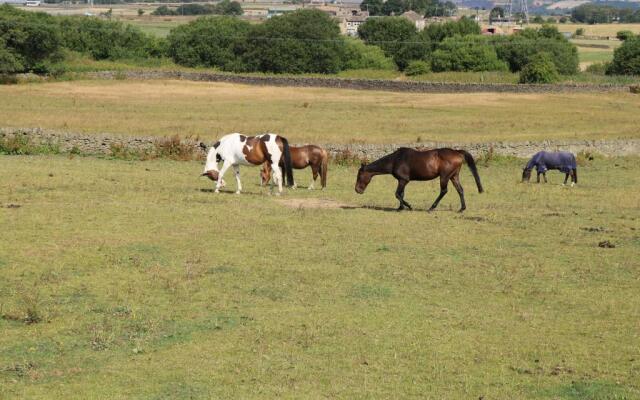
<point>235,149</point>
<point>302,157</point>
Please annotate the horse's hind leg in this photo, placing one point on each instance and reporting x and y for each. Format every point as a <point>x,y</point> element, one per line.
<point>315,169</point>
<point>444,181</point>
<point>456,183</point>
<point>574,176</point>
<point>400,194</point>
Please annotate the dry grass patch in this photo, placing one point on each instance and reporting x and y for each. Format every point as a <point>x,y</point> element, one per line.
<point>209,110</point>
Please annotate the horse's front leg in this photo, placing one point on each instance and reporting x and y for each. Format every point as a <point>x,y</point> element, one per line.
<point>566,178</point>
<point>544,175</point>
<point>444,182</point>
<point>400,195</point>
<point>276,175</point>
<point>236,171</point>
<point>223,170</point>
<point>538,178</point>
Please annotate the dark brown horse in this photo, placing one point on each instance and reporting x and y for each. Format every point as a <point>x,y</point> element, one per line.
<point>413,165</point>
<point>301,158</point>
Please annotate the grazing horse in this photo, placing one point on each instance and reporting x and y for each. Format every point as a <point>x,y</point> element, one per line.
<point>236,149</point>
<point>301,158</point>
<point>544,161</point>
<point>407,164</point>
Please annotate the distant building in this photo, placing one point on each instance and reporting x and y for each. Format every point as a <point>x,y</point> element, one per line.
<point>275,11</point>
<point>349,24</point>
<point>17,2</point>
<point>415,18</point>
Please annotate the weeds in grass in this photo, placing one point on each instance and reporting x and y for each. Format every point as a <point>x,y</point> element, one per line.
<point>29,311</point>
<point>176,148</point>
<point>348,158</point>
<point>23,145</point>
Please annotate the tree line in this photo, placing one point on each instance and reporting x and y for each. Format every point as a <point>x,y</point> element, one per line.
<point>604,14</point>
<point>305,41</point>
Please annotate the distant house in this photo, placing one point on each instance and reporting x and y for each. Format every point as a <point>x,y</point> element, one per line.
<point>275,11</point>
<point>350,24</point>
<point>415,18</point>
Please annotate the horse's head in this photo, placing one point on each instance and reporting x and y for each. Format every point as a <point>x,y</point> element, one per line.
<point>213,175</point>
<point>526,174</point>
<point>363,179</point>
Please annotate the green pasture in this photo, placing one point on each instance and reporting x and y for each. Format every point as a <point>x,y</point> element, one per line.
<point>132,280</point>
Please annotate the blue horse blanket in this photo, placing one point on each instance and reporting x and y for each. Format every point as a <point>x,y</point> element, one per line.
<point>544,161</point>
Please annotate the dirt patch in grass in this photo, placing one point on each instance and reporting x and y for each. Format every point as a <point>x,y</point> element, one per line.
<point>312,203</point>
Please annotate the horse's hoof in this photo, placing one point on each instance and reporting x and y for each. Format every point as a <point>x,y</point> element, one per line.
<point>278,194</point>
<point>238,192</point>
<point>216,191</point>
<point>460,211</point>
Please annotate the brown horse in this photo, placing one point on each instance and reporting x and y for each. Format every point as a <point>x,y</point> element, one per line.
<point>412,165</point>
<point>301,158</point>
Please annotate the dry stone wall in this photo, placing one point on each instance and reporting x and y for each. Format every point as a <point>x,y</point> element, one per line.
<point>360,84</point>
<point>104,143</point>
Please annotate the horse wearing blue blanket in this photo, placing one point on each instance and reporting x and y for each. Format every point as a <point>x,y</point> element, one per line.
<point>544,161</point>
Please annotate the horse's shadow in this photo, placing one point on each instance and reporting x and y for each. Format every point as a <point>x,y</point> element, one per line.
<point>227,192</point>
<point>389,209</point>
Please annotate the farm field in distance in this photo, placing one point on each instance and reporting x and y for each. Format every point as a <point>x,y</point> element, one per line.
<point>319,115</point>
<point>141,283</point>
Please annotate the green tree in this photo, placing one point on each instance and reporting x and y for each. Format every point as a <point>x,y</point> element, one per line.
<point>28,41</point>
<point>107,39</point>
<point>303,41</point>
<point>626,58</point>
<point>518,50</point>
<point>538,19</point>
<point>375,7</point>
<point>397,37</point>
<point>209,42</point>
<point>496,13</point>
<point>436,33</point>
<point>471,53</point>
<point>540,69</point>
<point>394,7</point>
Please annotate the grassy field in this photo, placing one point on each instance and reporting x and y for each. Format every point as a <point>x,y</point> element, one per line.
<point>314,114</point>
<point>132,280</point>
<point>597,29</point>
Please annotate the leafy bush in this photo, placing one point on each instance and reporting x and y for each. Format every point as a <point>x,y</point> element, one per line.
<point>540,69</point>
<point>209,42</point>
<point>362,56</point>
<point>28,41</point>
<point>417,68</point>
<point>517,50</point>
<point>579,32</point>
<point>624,35</point>
<point>107,39</point>
<point>598,68</point>
<point>471,53</point>
<point>626,58</point>
<point>299,42</point>
<point>538,20</point>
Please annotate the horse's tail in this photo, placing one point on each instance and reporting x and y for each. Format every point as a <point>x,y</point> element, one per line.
<point>468,158</point>
<point>324,165</point>
<point>288,164</point>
